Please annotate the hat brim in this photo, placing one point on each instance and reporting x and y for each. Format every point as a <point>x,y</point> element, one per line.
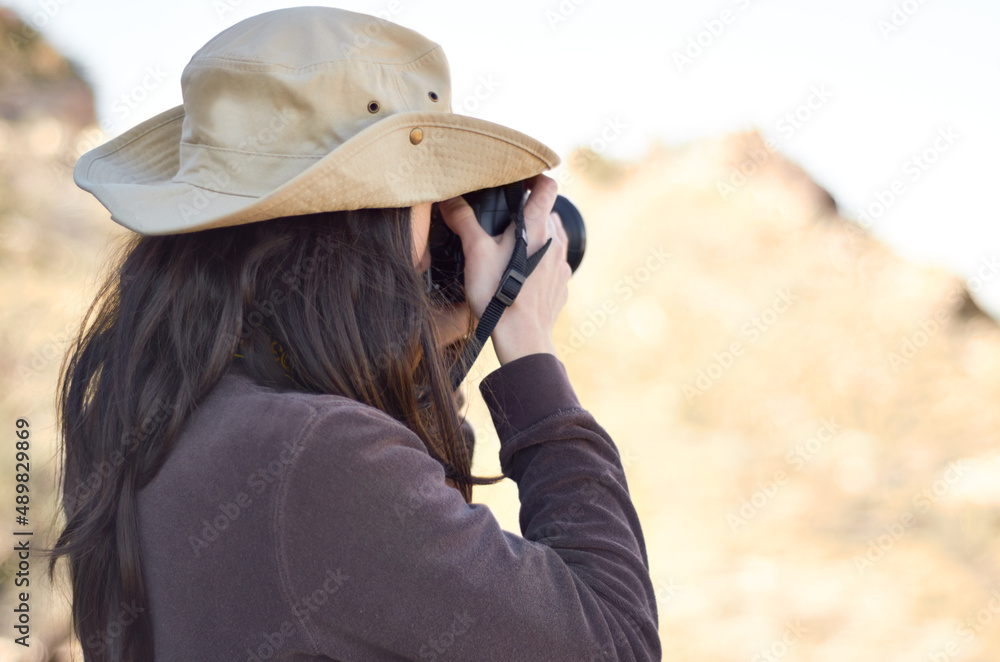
<point>133,174</point>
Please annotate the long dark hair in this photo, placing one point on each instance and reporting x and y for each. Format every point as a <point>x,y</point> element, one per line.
<point>323,303</point>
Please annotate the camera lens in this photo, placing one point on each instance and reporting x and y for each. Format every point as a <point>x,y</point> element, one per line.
<point>576,233</point>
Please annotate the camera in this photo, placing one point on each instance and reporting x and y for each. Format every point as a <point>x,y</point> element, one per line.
<point>493,211</point>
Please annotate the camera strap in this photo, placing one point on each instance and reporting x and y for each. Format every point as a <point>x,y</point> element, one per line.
<point>518,269</point>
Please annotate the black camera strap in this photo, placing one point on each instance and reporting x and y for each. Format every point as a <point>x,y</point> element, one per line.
<point>518,269</point>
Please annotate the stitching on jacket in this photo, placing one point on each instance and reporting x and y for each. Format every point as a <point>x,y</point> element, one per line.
<point>317,417</point>
<point>631,615</point>
<point>551,417</point>
<point>278,520</point>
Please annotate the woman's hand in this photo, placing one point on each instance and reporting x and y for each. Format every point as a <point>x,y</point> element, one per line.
<point>526,326</point>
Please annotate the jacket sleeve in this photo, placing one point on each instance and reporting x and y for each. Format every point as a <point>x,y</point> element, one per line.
<point>381,560</point>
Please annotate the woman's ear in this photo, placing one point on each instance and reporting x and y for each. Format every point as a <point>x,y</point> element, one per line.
<point>420,222</point>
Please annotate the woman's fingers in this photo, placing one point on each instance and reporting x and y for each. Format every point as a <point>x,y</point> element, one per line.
<point>485,259</point>
<point>537,209</point>
<point>559,232</point>
<point>459,217</point>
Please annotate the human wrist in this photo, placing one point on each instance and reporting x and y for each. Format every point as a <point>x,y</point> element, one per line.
<point>525,391</point>
<point>514,341</point>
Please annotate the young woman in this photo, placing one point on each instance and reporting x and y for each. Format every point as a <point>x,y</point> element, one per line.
<point>263,459</point>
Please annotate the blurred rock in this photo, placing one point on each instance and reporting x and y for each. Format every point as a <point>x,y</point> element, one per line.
<point>808,421</point>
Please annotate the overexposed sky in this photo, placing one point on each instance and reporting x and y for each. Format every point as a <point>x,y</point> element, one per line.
<point>885,78</point>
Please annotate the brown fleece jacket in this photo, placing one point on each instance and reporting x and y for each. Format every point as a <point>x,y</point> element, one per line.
<point>292,526</point>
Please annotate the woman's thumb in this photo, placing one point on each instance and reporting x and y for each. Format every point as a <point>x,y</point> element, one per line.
<point>459,217</point>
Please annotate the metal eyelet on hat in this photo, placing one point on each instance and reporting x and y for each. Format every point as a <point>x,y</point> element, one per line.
<point>433,96</point>
<point>373,107</point>
<point>416,135</point>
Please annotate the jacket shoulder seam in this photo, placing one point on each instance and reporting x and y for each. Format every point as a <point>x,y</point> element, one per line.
<point>319,413</point>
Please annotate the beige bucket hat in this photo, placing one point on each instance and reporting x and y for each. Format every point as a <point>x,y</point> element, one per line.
<point>302,110</point>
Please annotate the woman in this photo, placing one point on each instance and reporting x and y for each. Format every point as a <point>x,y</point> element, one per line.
<point>263,459</point>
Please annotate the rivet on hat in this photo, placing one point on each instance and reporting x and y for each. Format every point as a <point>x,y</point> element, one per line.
<point>416,136</point>
<point>373,106</point>
<point>433,96</point>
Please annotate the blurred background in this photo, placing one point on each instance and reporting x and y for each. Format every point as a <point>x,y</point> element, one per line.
<point>786,317</point>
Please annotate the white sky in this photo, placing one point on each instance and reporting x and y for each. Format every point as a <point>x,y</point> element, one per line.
<point>562,81</point>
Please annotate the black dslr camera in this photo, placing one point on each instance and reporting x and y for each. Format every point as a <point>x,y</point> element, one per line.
<point>493,213</point>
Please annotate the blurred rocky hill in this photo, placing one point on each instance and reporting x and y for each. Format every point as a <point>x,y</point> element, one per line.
<point>808,422</point>
<point>38,81</point>
<point>52,238</point>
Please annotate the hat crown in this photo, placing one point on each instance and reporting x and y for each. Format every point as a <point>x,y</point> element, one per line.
<point>284,88</point>
<point>278,121</point>
<point>300,37</point>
